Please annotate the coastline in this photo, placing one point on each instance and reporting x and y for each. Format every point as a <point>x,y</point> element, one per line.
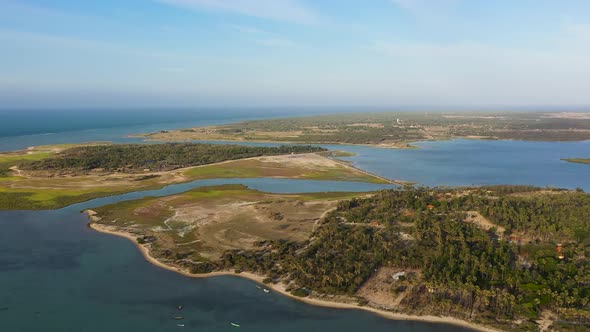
<point>279,288</point>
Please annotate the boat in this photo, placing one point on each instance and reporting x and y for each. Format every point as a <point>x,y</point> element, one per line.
<point>180,325</point>
<point>258,287</point>
<point>179,307</point>
<point>234,324</point>
<point>178,317</point>
<point>266,290</point>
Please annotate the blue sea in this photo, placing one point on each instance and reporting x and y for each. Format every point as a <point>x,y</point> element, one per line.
<point>56,274</point>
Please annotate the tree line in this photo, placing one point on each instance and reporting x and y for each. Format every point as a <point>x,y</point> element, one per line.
<point>462,269</point>
<point>155,157</point>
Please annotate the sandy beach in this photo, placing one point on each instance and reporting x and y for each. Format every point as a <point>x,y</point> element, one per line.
<point>280,288</point>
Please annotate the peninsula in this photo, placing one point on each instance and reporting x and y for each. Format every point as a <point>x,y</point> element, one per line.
<point>392,130</point>
<point>503,257</point>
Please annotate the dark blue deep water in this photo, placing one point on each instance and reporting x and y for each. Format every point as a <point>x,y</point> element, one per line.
<point>58,275</point>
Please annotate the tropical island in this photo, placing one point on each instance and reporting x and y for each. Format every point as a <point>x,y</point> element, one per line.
<point>392,130</point>
<point>51,177</point>
<point>504,257</point>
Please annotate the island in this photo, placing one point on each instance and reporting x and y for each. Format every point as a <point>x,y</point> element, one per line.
<point>52,177</point>
<point>393,129</point>
<point>494,258</point>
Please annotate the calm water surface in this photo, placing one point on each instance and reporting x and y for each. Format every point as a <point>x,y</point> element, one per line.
<point>58,275</point>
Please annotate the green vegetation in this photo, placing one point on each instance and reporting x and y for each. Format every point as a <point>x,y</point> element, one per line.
<point>158,157</point>
<point>8,160</point>
<point>201,224</point>
<point>460,268</point>
<point>257,168</point>
<point>47,199</point>
<point>50,180</point>
<point>394,129</point>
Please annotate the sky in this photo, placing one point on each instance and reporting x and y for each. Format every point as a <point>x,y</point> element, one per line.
<point>374,53</point>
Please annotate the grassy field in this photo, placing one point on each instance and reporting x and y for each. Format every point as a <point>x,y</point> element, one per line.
<point>201,224</point>
<point>21,190</point>
<point>310,168</point>
<point>8,160</point>
<point>394,130</point>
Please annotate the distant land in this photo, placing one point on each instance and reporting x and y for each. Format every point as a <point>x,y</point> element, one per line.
<point>578,160</point>
<point>393,130</point>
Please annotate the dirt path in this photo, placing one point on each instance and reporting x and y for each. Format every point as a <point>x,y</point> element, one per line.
<point>398,182</point>
<point>16,170</point>
<point>483,222</point>
<point>546,320</point>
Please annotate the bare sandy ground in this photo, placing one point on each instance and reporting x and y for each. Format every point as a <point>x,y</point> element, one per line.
<point>280,288</point>
<point>302,164</point>
<point>569,115</point>
<point>483,223</point>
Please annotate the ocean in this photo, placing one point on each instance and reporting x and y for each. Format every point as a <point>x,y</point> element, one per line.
<point>56,274</point>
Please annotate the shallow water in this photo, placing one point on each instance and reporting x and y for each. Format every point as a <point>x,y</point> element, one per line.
<point>462,162</point>
<point>56,274</point>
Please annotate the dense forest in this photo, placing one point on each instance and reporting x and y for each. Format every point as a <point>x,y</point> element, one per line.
<point>541,262</point>
<point>153,157</point>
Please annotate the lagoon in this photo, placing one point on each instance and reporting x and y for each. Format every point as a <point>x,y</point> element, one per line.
<point>56,274</point>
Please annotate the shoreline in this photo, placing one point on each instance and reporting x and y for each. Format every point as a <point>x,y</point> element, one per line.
<point>279,288</point>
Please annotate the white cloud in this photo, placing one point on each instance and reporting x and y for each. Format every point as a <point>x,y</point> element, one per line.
<point>425,7</point>
<point>275,42</point>
<point>279,10</point>
<point>263,37</point>
<point>248,29</point>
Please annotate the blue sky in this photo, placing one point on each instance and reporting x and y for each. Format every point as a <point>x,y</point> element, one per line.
<point>384,53</point>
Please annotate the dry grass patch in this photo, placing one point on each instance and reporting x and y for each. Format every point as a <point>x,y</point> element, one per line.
<point>208,221</point>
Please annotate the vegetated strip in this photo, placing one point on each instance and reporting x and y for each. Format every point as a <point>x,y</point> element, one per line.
<point>155,157</point>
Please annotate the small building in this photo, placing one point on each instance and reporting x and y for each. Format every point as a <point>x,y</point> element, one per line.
<point>559,253</point>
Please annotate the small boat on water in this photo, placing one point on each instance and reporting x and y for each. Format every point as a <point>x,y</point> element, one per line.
<point>258,287</point>
<point>179,307</point>
<point>266,290</point>
<point>180,325</point>
<point>234,324</point>
<point>178,317</point>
